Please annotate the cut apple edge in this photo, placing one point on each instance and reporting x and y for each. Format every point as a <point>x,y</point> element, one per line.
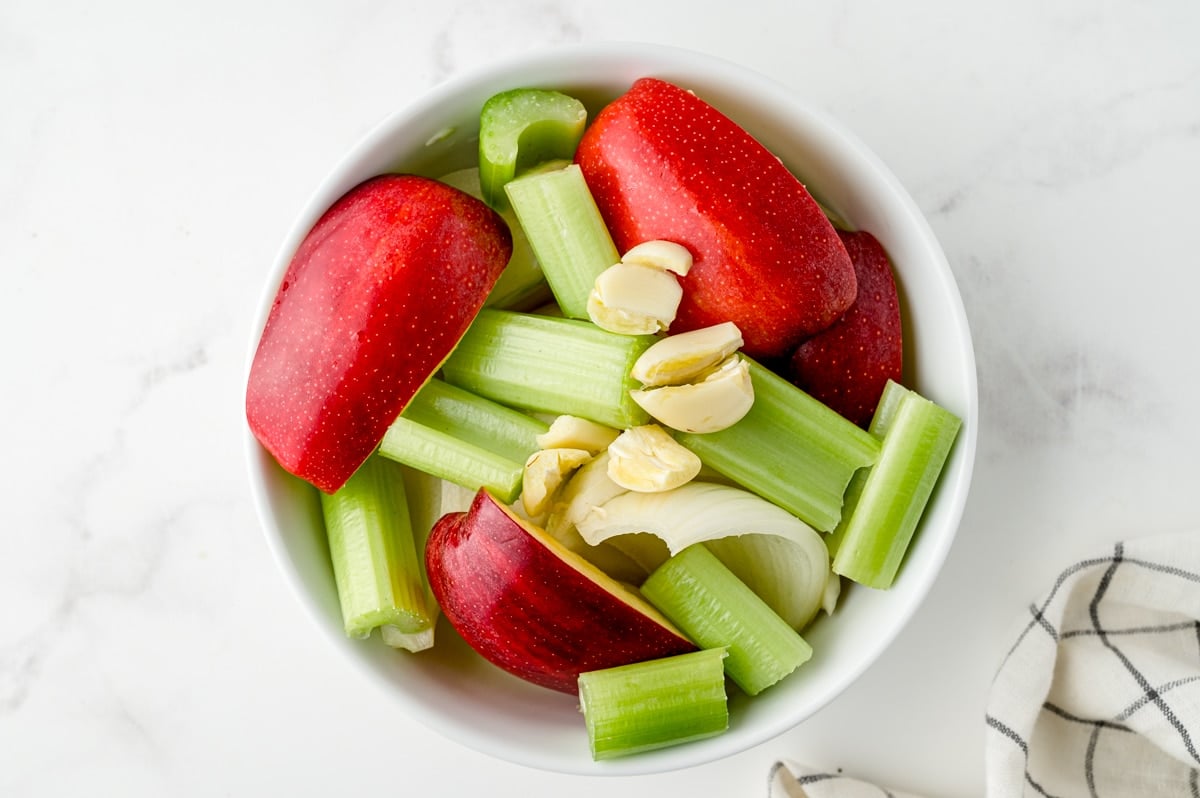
<point>624,592</point>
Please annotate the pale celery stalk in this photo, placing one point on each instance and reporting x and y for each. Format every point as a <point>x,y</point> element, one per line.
<point>790,449</point>
<point>885,504</point>
<point>550,365</point>
<point>654,704</point>
<point>567,233</point>
<point>378,572</point>
<point>714,609</point>
<point>523,128</point>
<point>466,439</point>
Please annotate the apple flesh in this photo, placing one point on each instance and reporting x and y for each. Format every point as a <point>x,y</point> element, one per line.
<point>664,164</point>
<point>848,365</point>
<point>532,607</point>
<point>374,299</point>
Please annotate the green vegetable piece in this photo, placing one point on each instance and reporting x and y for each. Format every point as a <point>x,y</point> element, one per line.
<point>566,231</point>
<point>715,609</point>
<point>380,580</point>
<point>549,364</point>
<point>885,503</point>
<point>654,704</point>
<point>522,128</point>
<point>463,438</point>
<point>790,449</point>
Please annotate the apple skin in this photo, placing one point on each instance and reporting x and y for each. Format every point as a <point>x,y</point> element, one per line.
<point>374,299</point>
<point>663,164</point>
<point>848,365</point>
<point>533,608</point>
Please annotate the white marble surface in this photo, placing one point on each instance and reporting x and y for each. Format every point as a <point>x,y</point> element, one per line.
<point>154,154</point>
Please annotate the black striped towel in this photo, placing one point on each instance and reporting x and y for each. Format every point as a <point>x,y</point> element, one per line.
<point>1099,695</point>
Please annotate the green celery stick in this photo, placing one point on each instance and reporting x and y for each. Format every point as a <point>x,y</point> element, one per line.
<point>566,231</point>
<point>790,449</point>
<point>379,576</point>
<point>885,503</point>
<point>550,365</point>
<point>714,609</point>
<point>463,438</point>
<point>522,128</point>
<point>654,704</point>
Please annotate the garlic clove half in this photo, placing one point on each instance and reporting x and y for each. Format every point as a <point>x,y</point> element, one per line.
<point>634,299</point>
<point>573,432</point>
<point>647,459</point>
<point>666,255</point>
<point>719,400</point>
<point>684,357</point>
<point>545,473</point>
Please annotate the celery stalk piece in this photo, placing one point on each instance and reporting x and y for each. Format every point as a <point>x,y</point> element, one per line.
<point>790,449</point>
<point>886,503</point>
<point>463,438</point>
<point>567,233</point>
<point>549,365</point>
<point>654,704</point>
<point>522,128</point>
<point>715,609</point>
<point>379,575</point>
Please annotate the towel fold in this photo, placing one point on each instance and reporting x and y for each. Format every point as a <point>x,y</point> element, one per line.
<point>1099,695</point>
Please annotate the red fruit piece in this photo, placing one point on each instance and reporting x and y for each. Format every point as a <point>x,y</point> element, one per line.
<point>847,366</point>
<point>663,164</point>
<point>528,605</point>
<point>375,298</point>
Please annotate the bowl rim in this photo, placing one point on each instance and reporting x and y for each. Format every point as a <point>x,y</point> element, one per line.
<point>956,481</point>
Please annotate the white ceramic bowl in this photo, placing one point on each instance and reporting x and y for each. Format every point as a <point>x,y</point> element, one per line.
<point>449,688</point>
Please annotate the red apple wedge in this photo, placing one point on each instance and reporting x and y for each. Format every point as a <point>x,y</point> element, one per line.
<point>375,298</point>
<point>664,164</point>
<point>848,365</point>
<point>530,606</point>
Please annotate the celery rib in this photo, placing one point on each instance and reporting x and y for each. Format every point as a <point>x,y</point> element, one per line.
<point>654,704</point>
<point>885,503</point>
<point>379,577</point>
<point>566,231</point>
<point>550,365</point>
<point>790,449</point>
<point>522,128</point>
<point>714,608</point>
<point>466,439</point>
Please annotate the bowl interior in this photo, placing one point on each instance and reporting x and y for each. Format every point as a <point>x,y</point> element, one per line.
<point>454,691</point>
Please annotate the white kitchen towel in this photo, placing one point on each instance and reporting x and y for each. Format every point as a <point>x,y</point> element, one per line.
<point>1098,697</point>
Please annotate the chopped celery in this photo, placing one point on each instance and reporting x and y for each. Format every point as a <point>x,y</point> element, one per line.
<point>379,576</point>
<point>566,231</point>
<point>886,502</point>
<point>654,704</point>
<point>463,438</point>
<point>790,449</point>
<point>550,365</point>
<point>522,128</point>
<point>714,608</point>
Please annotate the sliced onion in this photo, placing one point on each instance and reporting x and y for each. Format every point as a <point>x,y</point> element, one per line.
<point>781,558</point>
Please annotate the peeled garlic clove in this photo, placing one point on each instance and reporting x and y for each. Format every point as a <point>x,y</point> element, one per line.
<point>685,356</point>
<point>586,490</point>
<point>647,459</point>
<point>634,299</point>
<point>718,401</point>
<point>545,472</point>
<point>660,254</point>
<point>573,432</point>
